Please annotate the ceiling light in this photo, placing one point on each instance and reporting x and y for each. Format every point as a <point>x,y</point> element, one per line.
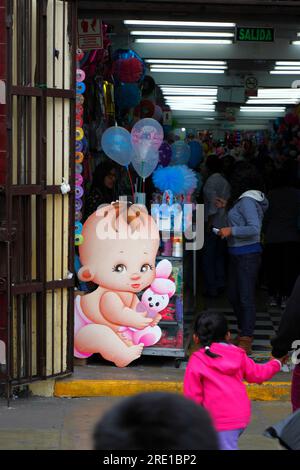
<point>208,119</point>
<point>199,67</point>
<point>180,23</point>
<point>199,34</point>
<point>286,67</point>
<point>277,92</point>
<point>296,43</point>
<point>273,101</point>
<point>197,91</point>
<point>182,41</point>
<point>193,109</point>
<point>285,72</point>
<point>183,61</point>
<point>192,100</point>
<point>187,70</point>
<point>262,109</point>
<point>287,63</point>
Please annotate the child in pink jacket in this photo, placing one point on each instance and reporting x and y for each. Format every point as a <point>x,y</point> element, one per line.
<point>214,378</point>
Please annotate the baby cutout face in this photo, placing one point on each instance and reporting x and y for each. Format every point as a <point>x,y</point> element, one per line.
<point>119,263</point>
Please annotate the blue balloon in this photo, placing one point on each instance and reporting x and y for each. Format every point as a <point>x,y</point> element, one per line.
<point>196,154</point>
<point>116,143</point>
<point>145,168</point>
<point>181,153</point>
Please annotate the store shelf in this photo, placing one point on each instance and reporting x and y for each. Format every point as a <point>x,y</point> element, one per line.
<point>171,352</point>
<point>170,258</point>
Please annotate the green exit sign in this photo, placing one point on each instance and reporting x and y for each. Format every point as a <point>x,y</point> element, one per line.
<point>245,34</point>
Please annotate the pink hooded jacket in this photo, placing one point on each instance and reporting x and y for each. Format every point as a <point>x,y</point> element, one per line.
<point>217,384</point>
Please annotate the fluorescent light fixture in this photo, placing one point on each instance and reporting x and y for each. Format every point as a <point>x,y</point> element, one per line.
<point>192,106</point>
<point>262,109</point>
<point>184,61</point>
<point>179,23</point>
<point>183,129</point>
<point>186,70</point>
<point>286,67</point>
<point>209,119</point>
<point>278,92</point>
<point>196,34</point>
<point>181,91</point>
<point>287,63</point>
<point>182,41</point>
<point>199,67</point>
<point>285,72</point>
<point>296,43</point>
<point>197,110</point>
<point>193,100</point>
<point>274,101</point>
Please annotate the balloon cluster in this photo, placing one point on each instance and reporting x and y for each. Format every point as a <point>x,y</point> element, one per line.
<point>141,147</point>
<point>79,147</point>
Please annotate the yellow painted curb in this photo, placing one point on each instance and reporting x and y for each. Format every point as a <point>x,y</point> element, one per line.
<point>268,391</point>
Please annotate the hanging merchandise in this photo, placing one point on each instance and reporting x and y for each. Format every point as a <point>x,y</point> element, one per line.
<point>146,135</point>
<point>127,95</point>
<point>165,154</point>
<point>79,147</point>
<point>196,154</point>
<point>116,143</point>
<point>128,66</point>
<point>158,114</point>
<point>179,179</point>
<point>108,92</point>
<point>145,168</point>
<point>145,109</point>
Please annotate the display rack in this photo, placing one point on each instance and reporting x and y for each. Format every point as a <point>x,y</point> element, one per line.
<point>176,330</point>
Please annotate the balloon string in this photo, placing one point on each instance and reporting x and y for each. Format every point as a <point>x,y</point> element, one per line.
<point>130,179</point>
<point>143,185</point>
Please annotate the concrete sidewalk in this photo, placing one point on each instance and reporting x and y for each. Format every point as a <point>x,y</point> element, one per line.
<point>67,424</point>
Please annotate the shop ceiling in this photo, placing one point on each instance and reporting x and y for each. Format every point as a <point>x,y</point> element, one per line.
<point>242,59</point>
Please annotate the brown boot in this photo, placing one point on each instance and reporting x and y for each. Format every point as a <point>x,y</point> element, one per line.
<point>245,342</point>
<point>236,340</point>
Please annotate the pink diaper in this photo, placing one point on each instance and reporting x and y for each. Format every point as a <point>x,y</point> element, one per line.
<point>80,320</point>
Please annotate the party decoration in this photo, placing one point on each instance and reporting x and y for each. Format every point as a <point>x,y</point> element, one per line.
<point>79,133</point>
<point>181,153</point>
<point>165,154</point>
<point>78,168</point>
<point>146,134</point>
<point>78,179</point>
<point>179,179</point>
<point>145,109</point>
<point>78,146</point>
<point>145,168</point>
<point>103,234</point>
<point>127,95</point>
<point>128,65</point>
<point>116,143</point>
<point>79,157</point>
<point>80,75</point>
<point>80,88</point>
<point>196,154</point>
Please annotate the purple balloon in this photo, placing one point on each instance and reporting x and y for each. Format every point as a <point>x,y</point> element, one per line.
<point>165,154</point>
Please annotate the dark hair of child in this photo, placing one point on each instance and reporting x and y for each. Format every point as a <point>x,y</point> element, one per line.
<point>210,327</point>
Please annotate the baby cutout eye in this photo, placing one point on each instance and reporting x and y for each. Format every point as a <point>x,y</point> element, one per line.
<point>150,298</point>
<point>146,267</point>
<point>157,304</point>
<point>119,268</point>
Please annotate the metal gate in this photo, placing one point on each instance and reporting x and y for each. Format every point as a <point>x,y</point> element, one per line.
<point>37,223</point>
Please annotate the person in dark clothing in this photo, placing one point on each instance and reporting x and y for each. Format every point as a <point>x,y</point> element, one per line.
<point>282,237</point>
<point>155,421</point>
<point>288,332</point>
<point>103,189</point>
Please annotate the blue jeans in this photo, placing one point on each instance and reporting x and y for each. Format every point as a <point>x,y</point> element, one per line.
<point>243,272</point>
<point>213,259</point>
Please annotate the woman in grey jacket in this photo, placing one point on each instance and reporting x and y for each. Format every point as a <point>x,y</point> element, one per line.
<point>246,209</point>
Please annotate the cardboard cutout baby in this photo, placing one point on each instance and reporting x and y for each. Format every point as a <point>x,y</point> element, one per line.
<point>118,254</point>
